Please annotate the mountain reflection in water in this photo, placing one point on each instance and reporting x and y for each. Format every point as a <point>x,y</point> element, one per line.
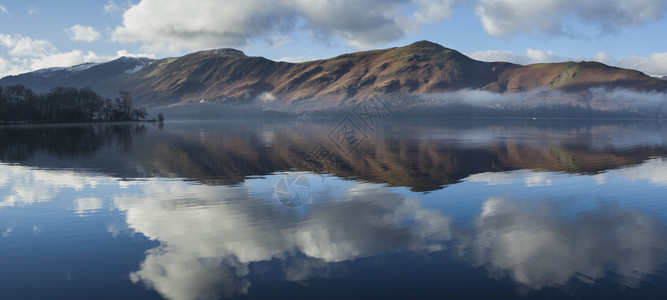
<point>512,209</point>
<point>422,156</point>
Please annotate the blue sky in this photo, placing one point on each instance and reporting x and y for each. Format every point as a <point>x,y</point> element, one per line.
<point>41,34</point>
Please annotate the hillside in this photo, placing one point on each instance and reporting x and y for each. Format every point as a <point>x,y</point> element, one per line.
<point>229,76</point>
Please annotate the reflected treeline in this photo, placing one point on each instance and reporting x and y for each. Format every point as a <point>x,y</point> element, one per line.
<point>20,143</point>
<point>423,156</point>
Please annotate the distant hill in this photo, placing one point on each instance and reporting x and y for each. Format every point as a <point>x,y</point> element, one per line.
<point>229,76</point>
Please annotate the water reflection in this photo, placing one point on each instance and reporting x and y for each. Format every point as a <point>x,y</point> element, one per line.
<point>536,246</point>
<point>211,236</point>
<point>22,142</point>
<point>532,206</point>
<point>20,186</point>
<point>422,156</point>
<point>218,230</point>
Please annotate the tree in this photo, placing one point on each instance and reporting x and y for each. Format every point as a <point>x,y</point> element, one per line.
<point>139,114</point>
<point>20,104</point>
<point>160,117</point>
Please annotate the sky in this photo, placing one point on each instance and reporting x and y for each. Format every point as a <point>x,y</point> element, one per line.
<point>41,34</point>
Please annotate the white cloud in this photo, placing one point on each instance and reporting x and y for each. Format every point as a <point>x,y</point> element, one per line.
<point>267,97</point>
<point>654,64</point>
<point>111,8</point>
<point>82,33</point>
<point>22,46</point>
<point>296,59</point>
<point>504,18</point>
<point>4,10</point>
<point>27,54</point>
<point>121,53</point>
<point>172,26</point>
<point>65,59</point>
<point>531,56</point>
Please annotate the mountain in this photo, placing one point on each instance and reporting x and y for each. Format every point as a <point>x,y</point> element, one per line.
<point>229,76</point>
<point>105,78</point>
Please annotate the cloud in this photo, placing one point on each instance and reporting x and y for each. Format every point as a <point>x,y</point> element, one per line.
<point>504,18</point>
<point>531,56</point>
<point>537,247</point>
<point>4,10</point>
<point>23,46</point>
<point>296,59</point>
<point>111,8</point>
<point>27,54</point>
<point>65,59</point>
<point>123,52</point>
<point>172,26</point>
<point>654,64</point>
<point>32,10</point>
<point>80,33</point>
<point>266,97</point>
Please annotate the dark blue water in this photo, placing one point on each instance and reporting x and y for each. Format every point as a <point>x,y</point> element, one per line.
<point>310,209</point>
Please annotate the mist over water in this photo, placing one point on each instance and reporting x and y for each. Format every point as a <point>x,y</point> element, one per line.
<point>595,102</point>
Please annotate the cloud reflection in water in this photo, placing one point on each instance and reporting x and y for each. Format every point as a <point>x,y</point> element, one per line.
<point>536,246</point>
<point>211,235</point>
<point>205,238</point>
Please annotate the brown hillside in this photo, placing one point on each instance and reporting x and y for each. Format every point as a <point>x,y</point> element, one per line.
<point>422,67</point>
<point>228,75</point>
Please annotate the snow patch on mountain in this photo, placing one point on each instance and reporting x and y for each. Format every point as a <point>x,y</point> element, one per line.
<point>47,72</point>
<point>137,68</point>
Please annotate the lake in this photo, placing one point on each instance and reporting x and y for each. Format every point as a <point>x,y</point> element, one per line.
<point>334,208</point>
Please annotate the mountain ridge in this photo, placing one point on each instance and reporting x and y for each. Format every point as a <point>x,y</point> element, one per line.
<point>229,76</point>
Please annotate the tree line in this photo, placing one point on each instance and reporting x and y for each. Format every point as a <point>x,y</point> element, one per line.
<point>19,104</point>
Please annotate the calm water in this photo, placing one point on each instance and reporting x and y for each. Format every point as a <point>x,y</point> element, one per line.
<point>330,209</point>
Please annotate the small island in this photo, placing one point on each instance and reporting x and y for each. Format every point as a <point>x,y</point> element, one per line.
<point>19,104</point>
